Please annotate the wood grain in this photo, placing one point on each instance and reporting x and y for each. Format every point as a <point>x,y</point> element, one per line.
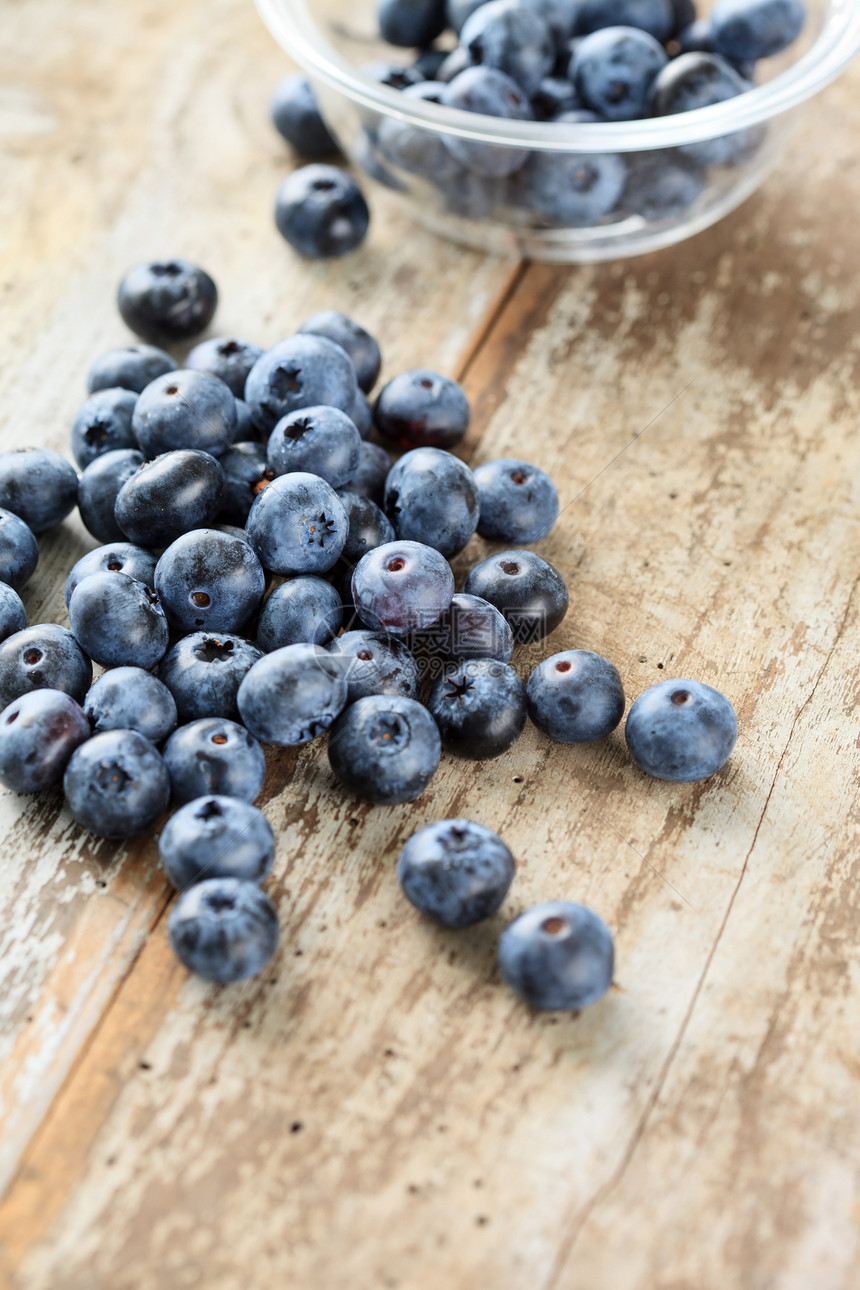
<point>377,1110</point>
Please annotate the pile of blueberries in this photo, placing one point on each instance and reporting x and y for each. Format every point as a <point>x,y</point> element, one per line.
<point>268,574</point>
<point>567,61</point>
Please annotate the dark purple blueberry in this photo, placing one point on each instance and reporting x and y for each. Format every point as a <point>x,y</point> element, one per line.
<point>177,492</point>
<point>214,755</point>
<point>557,956</point>
<point>469,628</point>
<point>489,93</point>
<point>420,408</point>
<point>116,557</point>
<point>376,663</point>
<point>411,24</point>
<point>164,301</point>
<point>130,367</point>
<point>511,38</point>
<point>13,616</point>
<point>369,527</point>
<point>99,487</point>
<point>321,212</point>
<point>103,424</point>
<point>358,343</point>
<point>613,70</point>
<point>297,525</point>
<point>479,707</point>
<point>246,473</point>
<point>302,611</point>
<point>224,929</point>
<point>118,621</point>
<point>657,17</point>
<point>300,372</point>
<point>319,441</point>
<point>518,502</point>
<point>681,730</point>
<point>661,185</point>
<point>116,784</point>
<point>431,497</point>
<point>38,734</point>
<point>746,30</point>
<point>37,485</point>
<point>185,409</point>
<point>456,872</point>
<point>693,81</point>
<point>402,587</point>
<point>226,357</point>
<point>575,697</point>
<point>19,550</point>
<point>203,673</point>
<point>43,657</point>
<point>527,590</point>
<point>292,695</point>
<point>385,749</point>
<point>373,467</point>
<point>209,581</point>
<point>128,698</point>
<point>216,837</point>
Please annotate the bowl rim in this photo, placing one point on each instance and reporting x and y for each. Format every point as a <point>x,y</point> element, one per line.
<point>292,25</point>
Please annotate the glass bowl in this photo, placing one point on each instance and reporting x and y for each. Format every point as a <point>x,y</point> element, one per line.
<point>672,187</point>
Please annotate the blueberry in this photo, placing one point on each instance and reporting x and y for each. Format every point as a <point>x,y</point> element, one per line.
<point>744,30</point>
<point>361,415</point>
<point>681,730</point>
<point>554,95</point>
<point>224,929</point>
<point>117,557</point>
<point>469,628</point>
<point>99,487</point>
<point>300,372</point>
<point>431,497</point>
<point>415,150</point>
<point>573,189</point>
<point>177,492</point>
<point>128,698</point>
<point>411,23</point>
<point>131,367</point>
<point>575,697</point>
<point>203,673</point>
<point>613,70</point>
<point>526,589</point>
<point>214,755</point>
<point>319,441</point>
<point>216,837</point>
<point>292,695</point>
<point>385,749</point>
<point>103,424</point>
<point>693,81</point>
<point>38,734</point>
<point>455,871</point>
<point>373,467</point>
<point>13,616</point>
<point>369,527</point>
<point>296,116</point>
<point>297,525</point>
<point>402,587</point>
<point>510,38</point>
<point>376,663</point>
<point>302,611</point>
<point>185,409</point>
<point>420,409</point>
<point>246,473</point>
<point>557,956</point>
<point>167,300</point>
<point>226,357</point>
<point>657,17</point>
<point>118,621</point>
<point>683,14</point>
<point>661,185</point>
<point>321,212</point>
<point>116,784</point>
<point>358,343</point>
<point>489,93</point>
<point>19,551</point>
<point>518,502</point>
<point>43,657</point>
<point>479,707</point>
<point>37,485</point>
<point>209,580</point>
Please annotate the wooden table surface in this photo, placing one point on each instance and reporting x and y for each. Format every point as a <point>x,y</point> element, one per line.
<point>377,1110</point>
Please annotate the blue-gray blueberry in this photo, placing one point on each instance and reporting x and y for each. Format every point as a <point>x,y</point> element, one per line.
<point>557,956</point>
<point>116,784</point>
<point>455,871</point>
<point>385,749</point>
<point>216,837</point>
<point>38,734</point>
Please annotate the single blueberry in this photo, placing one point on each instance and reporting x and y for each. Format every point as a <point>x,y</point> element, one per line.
<point>13,616</point>
<point>216,837</point>
<point>302,611</point>
<point>185,409</point>
<point>373,467</point>
<point>209,580</point>
<point>299,372</point>
<point>683,14</point>
<point>455,871</point>
<point>526,589</point>
<point>369,527</point>
<point>296,116</point>
<point>224,929</point>
<point>411,23</point>
<point>415,150</point>
<point>118,621</point>
<point>489,93</point>
<point>203,673</point>
<point>297,525</point>
<point>292,695</point>
<point>99,487</point>
<point>657,17</point>
<point>518,502</point>
<point>116,784</point>
<point>745,30</point>
<point>177,492</point>
<point>167,300</point>
<point>681,730</point>
<point>692,81</point>
<point>613,70</point>
<point>557,956</point>
<point>214,755</point>
<point>246,473</point>
<point>319,441</point>
<point>117,557</point>
<point>19,550</point>
<point>226,357</point>
<point>321,212</point>
<point>469,628</point>
<point>103,424</point>
<point>575,697</point>
<point>385,749</point>
<point>376,663</point>
<point>573,189</point>
<point>128,698</point>
<point>511,38</point>
<point>38,734</point>
<point>37,485</point>
<point>358,343</point>
<point>131,367</point>
<point>431,497</point>
<point>479,707</point>
<point>402,587</point>
<point>43,657</point>
<point>420,408</point>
